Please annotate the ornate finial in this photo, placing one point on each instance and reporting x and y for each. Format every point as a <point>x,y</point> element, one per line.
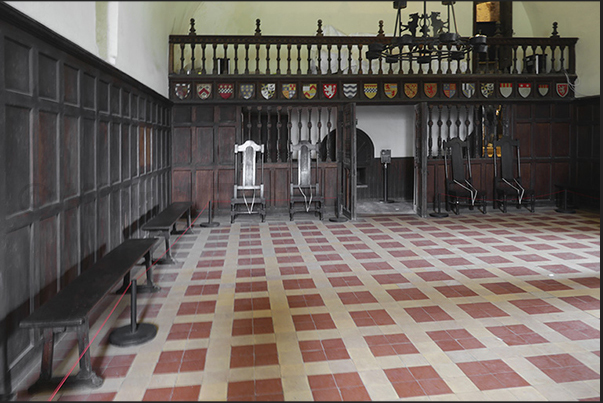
<point>380,32</point>
<point>498,31</point>
<point>258,31</point>
<point>192,30</point>
<point>319,30</point>
<point>555,34</point>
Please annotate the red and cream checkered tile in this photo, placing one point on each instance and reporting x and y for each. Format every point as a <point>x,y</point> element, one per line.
<point>470,307</point>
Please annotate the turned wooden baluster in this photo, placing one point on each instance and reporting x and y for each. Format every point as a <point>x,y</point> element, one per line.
<point>278,133</point>
<point>329,132</point>
<point>268,137</point>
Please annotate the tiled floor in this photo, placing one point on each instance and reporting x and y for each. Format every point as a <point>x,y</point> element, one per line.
<point>388,307</point>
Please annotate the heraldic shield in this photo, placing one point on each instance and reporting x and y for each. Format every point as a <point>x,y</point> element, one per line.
<point>268,90</point>
<point>182,90</point>
<point>247,90</point>
<point>449,89</point>
<point>524,89</point>
<point>391,90</point>
<point>431,89</point>
<point>329,90</point>
<point>225,90</point>
<point>350,90</point>
<point>468,89</point>
<point>289,90</point>
<point>410,89</point>
<point>487,89</point>
<point>204,90</point>
<point>370,90</point>
<point>309,90</point>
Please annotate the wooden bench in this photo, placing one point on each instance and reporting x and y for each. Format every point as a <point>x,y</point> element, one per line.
<point>70,309</point>
<point>165,222</point>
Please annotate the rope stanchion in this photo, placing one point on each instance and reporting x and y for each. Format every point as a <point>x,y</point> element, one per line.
<point>133,307</point>
<point>210,222</point>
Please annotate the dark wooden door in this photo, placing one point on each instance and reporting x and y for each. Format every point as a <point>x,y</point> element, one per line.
<point>347,186</point>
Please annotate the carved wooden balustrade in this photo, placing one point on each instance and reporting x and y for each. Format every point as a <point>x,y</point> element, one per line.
<point>537,63</point>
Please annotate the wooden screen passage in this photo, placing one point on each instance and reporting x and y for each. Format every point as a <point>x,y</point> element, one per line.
<point>277,126</point>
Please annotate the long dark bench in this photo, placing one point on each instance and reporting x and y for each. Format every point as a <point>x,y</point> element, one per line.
<point>70,308</point>
<point>165,222</point>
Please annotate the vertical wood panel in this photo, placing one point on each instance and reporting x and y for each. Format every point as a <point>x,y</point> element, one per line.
<point>46,258</point>
<point>542,140</point>
<point>45,166</point>
<point>114,153</point>
<point>47,76</point>
<point>204,146</point>
<point>69,145</point>
<point>18,160</point>
<point>181,185</point>
<point>181,152</point>
<point>204,188</point>
<point>70,252</point>
<point>17,66</point>
<point>87,155</point>
<point>225,187</point>
<point>226,141</point>
<point>103,154</point>
<point>70,84</point>
<point>19,271</point>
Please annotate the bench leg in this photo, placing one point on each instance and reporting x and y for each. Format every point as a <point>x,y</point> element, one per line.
<point>149,286</point>
<point>168,258</point>
<point>86,377</point>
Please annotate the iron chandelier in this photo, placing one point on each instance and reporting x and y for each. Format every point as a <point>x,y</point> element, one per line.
<point>443,45</point>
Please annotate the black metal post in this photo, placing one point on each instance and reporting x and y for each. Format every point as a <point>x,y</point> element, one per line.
<point>436,197</point>
<point>210,213</point>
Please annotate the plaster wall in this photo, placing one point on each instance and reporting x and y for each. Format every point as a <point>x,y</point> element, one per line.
<point>143,27</point>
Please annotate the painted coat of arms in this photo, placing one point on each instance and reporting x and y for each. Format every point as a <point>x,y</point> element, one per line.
<point>225,90</point>
<point>487,89</point>
<point>289,90</point>
<point>350,90</point>
<point>468,89</point>
<point>449,89</point>
<point>182,90</point>
<point>562,89</point>
<point>370,90</point>
<point>204,90</point>
<point>430,89</point>
<point>505,89</point>
<point>410,89</point>
<point>391,90</point>
<point>247,90</point>
<point>309,90</point>
<point>524,89</point>
<point>268,90</point>
<point>329,90</point>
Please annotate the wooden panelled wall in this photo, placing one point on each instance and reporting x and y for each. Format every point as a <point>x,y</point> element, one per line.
<point>203,159</point>
<point>84,157</point>
<point>559,144</point>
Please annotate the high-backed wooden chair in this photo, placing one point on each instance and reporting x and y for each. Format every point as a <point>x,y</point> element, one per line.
<point>459,184</point>
<point>304,187</point>
<point>507,176</point>
<point>248,191</point>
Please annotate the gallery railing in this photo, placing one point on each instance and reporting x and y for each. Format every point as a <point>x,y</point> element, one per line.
<point>320,55</point>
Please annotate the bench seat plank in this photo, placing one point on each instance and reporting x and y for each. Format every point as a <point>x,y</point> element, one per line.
<point>164,220</point>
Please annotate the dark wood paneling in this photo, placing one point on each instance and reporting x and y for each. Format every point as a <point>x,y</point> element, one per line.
<point>542,140</point>
<point>18,160</point>
<point>225,142</point>
<point>17,66</point>
<point>114,153</point>
<point>561,139</point>
<point>181,151</point>
<point>47,258</point>
<point>48,76</point>
<point>45,163</point>
<point>181,185</point>
<point>542,179</point>
<point>204,146</point>
<point>225,185</point>
<point>87,160</point>
<point>88,91</point>
<point>18,277</point>
<point>70,253</point>
<point>70,84</point>
<point>70,172</point>
<point>204,188</point>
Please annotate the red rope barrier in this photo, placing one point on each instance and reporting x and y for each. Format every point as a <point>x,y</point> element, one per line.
<point>116,304</point>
